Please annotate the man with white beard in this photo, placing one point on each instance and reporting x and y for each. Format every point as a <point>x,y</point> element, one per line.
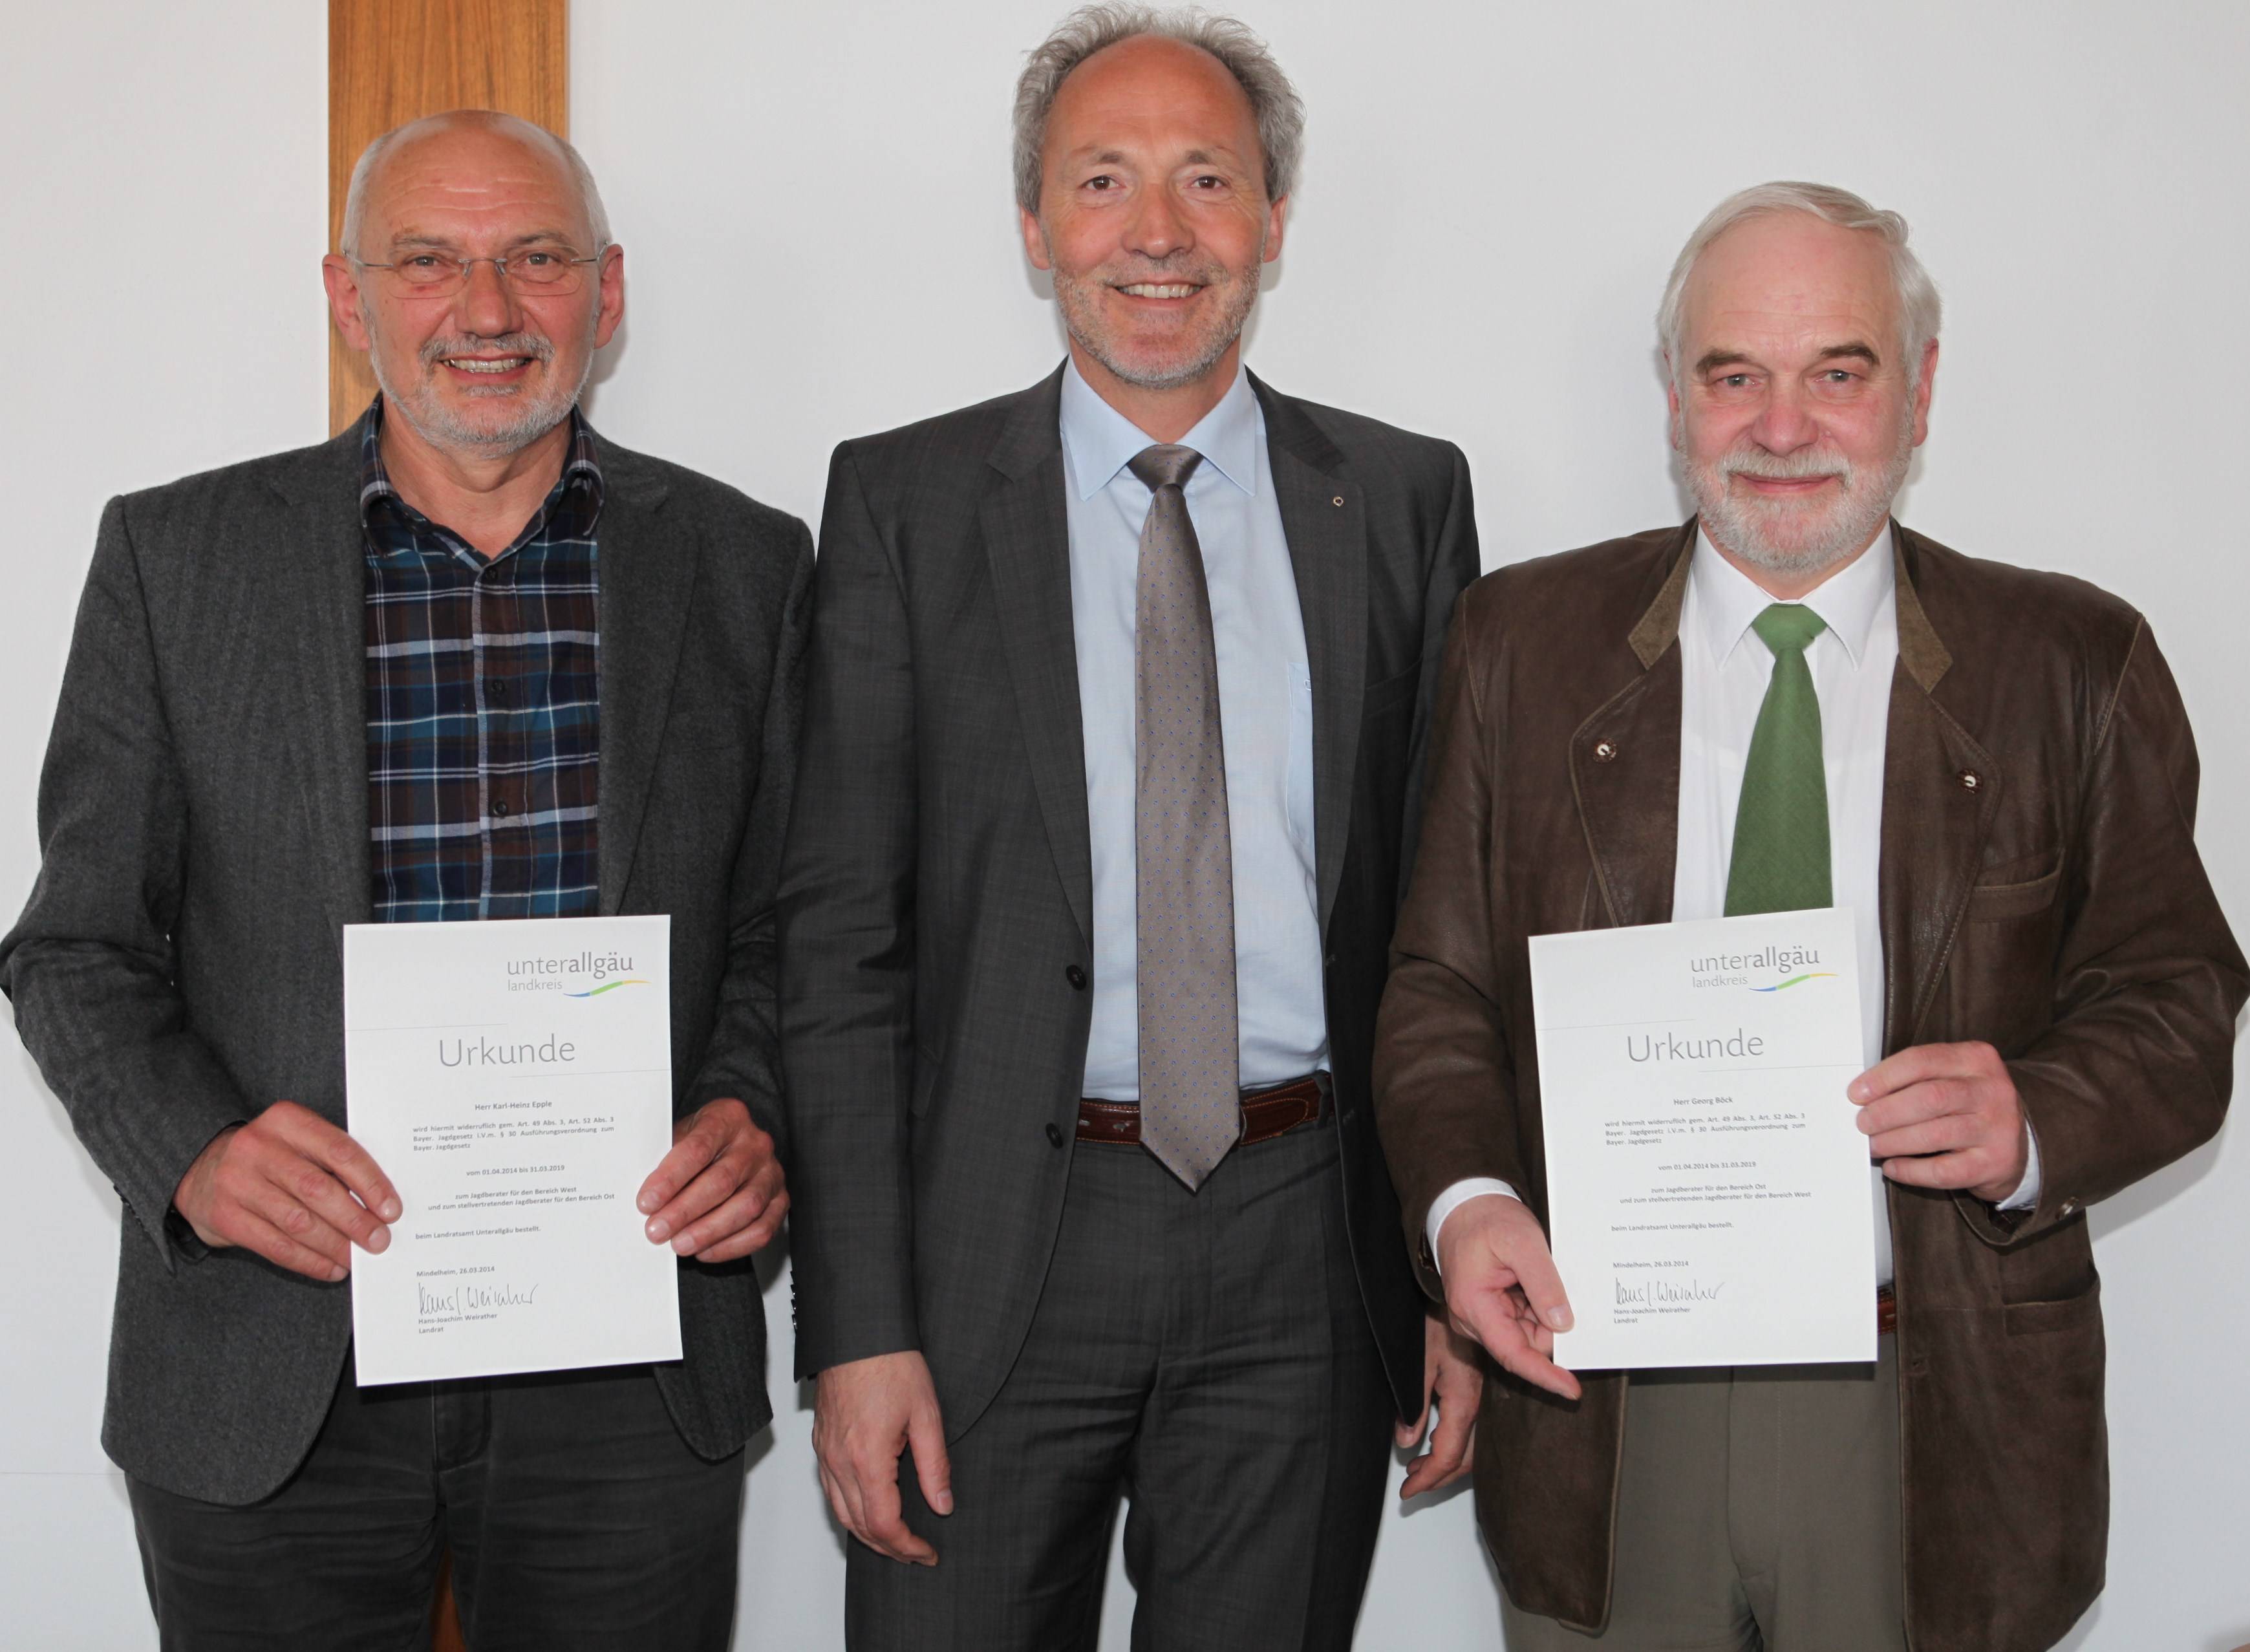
<point>467,660</point>
<point>1790,702</point>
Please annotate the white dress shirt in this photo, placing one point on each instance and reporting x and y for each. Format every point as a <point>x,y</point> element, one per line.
<point>1264,718</point>
<point>1724,669</point>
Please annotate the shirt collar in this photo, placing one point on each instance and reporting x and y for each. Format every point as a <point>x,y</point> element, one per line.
<point>1098,441</point>
<point>1848,601</point>
<point>580,482</point>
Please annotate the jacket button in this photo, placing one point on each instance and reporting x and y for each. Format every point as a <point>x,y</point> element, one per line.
<point>1969,780</point>
<point>1605,752</point>
<point>1076,977</point>
<point>1054,1135</point>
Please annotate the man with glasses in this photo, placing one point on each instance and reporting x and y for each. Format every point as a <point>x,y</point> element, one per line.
<point>467,660</point>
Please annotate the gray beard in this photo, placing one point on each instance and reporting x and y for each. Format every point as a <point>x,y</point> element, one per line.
<point>443,428</point>
<point>1778,539</point>
<point>1081,316</point>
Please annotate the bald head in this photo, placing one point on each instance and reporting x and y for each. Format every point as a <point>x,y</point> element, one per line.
<point>481,142</point>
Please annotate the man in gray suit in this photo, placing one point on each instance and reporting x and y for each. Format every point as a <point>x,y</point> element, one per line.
<point>1114,721</point>
<point>466,660</point>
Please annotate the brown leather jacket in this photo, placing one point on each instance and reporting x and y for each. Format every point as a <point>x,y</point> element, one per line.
<point>2039,890</point>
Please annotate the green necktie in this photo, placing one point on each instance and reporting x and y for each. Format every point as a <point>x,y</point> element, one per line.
<point>1780,861</point>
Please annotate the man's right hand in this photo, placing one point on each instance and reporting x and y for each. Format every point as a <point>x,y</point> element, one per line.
<point>291,1187</point>
<point>865,1413</point>
<point>1502,1288</point>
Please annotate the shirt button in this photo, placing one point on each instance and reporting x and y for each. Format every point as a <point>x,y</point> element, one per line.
<point>496,690</point>
<point>1076,977</point>
<point>500,808</point>
<point>1054,1136</point>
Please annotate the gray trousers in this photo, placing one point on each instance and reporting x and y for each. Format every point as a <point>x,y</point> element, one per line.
<point>1758,1510</point>
<point>1204,1354</point>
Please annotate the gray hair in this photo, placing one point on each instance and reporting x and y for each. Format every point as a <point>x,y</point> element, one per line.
<point>597,217</point>
<point>1920,309</point>
<point>1274,102</point>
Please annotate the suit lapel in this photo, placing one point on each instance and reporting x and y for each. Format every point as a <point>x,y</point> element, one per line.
<point>322,593</point>
<point>1941,791</point>
<point>1026,531</point>
<point>1625,762</point>
<point>1324,519</point>
<point>646,582</point>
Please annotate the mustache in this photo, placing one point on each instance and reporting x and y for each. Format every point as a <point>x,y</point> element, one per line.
<point>1752,461</point>
<point>540,348</point>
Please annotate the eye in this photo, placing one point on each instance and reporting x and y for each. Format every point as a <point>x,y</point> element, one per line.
<point>1208,180</point>
<point>1734,381</point>
<point>1102,181</point>
<point>539,260</point>
<point>422,261</point>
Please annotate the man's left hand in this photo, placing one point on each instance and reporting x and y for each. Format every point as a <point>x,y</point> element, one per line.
<point>1945,1115</point>
<point>1450,1376</point>
<point>719,1193</point>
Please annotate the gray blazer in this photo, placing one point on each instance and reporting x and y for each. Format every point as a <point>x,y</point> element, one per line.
<point>937,895</point>
<point>204,830</point>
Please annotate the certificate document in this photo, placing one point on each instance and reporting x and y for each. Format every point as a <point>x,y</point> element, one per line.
<point>514,1080</point>
<point>1709,1200</point>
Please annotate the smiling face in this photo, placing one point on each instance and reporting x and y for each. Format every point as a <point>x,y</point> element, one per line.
<point>1152,214</point>
<point>487,369</point>
<point>1793,410</point>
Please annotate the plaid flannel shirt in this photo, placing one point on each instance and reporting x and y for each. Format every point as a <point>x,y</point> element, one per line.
<point>483,707</point>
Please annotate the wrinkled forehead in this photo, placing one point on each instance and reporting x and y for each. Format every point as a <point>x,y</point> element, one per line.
<point>1787,281</point>
<point>470,183</point>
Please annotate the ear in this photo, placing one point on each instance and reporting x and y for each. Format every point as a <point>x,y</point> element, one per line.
<point>612,277</point>
<point>1672,406</point>
<point>341,277</point>
<point>1276,217</point>
<point>1035,241</point>
<point>1922,391</point>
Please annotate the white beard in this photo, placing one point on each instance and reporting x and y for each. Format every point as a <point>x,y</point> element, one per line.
<point>1783,536</point>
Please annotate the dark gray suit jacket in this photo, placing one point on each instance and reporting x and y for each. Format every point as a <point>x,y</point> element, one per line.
<point>203,828</point>
<point>936,898</point>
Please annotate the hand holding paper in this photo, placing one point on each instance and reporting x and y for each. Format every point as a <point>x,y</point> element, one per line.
<point>1501,1288</point>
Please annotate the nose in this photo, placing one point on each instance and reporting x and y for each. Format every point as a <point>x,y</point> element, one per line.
<point>1158,228</point>
<point>1785,423</point>
<point>486,308</point>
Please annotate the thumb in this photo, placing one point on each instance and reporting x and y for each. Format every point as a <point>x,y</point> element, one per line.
<point>1542,1286</point>
<point>933,1468</point>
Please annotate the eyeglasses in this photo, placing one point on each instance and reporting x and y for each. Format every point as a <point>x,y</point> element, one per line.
<point>534,269</point>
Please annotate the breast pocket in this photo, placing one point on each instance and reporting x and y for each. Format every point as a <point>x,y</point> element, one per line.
<point>2016,888</point>
<point>1301,756</point>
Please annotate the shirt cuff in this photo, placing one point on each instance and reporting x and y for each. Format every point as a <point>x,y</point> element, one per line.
<point>2027,1190</point>
<point>1458,1195</point>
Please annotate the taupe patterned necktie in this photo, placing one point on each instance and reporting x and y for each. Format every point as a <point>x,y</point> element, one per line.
<point>1191,1097</point>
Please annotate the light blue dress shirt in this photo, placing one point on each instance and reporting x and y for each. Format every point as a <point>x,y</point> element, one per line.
<point>1265,720</point>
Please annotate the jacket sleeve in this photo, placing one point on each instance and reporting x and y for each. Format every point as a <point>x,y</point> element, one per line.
<point>1452,568</point>
<point>2138,1065</point>
<point>743,1057</point>
<point>1444,1073</point>
<point>847,924</point>
<point>90,965</point>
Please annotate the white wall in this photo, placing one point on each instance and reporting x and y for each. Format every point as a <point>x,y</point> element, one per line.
<point>815,204</point>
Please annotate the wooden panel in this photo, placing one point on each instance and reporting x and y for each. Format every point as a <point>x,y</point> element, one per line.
<point>392,60</point>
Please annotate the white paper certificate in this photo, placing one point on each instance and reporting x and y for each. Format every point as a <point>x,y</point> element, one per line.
<point>514,1081</point>
<point>1708,1199</point>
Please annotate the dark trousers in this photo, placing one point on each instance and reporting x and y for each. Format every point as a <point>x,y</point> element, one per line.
<point>576,1515</point>
<point>1205,1354</point>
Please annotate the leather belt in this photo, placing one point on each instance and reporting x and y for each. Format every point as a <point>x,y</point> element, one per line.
<point>1266,1114</point>
<point>1886,1309</point>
